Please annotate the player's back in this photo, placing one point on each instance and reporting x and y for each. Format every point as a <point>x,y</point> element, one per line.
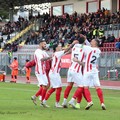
<point>77,52</point>
<point>56,61</point>
<point>91,60</point>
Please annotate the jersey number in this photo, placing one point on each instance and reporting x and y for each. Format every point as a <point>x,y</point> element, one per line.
<point>76,56</point>
<point>93,59</point>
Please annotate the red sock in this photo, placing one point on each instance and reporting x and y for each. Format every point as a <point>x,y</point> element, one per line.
<point>49,93</point>
<point>58,93</point>
<point>100,95</point>
<point>78,93</point>
<point>84,95</point>
<point>79,98</point>
<point>87,94</point>
<point>39,92</point>
<point>67,91</point>
<point>43,93</point>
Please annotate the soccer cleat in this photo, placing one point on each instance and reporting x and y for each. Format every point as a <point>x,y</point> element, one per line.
<point>71,103</point>
<point>89,105</point>
<point>57,105</point>
<point>45,105</point>
<point>77,106</point>
<point>33,98</point>
<point>64,104</point>
<point>41,104</point>
<point>40,98</point>
<point>103,106</point>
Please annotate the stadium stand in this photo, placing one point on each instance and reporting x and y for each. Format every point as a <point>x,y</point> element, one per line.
<point>66,28</point>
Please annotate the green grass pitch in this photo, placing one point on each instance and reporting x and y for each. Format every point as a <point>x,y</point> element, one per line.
<point>16,104</point>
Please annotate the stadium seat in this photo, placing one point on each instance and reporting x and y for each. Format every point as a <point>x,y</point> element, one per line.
<point>104,45</point>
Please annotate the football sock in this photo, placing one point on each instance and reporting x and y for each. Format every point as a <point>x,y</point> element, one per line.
<point>49,93</point>
<point>100,95</point>
<point>87,94</point>
<point>39,92</point>
<point>67,91</point>
<point>58,93</point>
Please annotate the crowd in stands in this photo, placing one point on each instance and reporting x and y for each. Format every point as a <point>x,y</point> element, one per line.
<point>67,27</point>
<point>8,29</point>
<point>11,27</point>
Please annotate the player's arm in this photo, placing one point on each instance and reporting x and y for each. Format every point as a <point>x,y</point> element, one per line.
<point>46,58</point>
<point>30,64</point>
<point>86,41</point>
<point>70,47</point>
<point>79,62</point>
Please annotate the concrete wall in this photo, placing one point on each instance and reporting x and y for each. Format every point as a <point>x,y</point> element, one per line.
<point>78,6</point>
<point>113,5</point>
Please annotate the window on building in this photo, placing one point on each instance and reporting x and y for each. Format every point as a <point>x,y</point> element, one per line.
<point>57,10</point>
<point>68,9</point>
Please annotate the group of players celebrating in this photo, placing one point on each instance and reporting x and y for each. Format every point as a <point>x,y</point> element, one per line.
<point>83,71</point>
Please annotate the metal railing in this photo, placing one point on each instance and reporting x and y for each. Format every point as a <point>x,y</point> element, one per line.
<point>107,61</point>
<point>112,29</point>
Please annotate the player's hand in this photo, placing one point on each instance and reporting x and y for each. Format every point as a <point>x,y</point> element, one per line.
<point>75,42</point>
<point>81,35</point>
<point>75,59</point>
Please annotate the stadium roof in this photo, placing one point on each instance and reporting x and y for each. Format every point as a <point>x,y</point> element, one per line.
<point>5,4</point>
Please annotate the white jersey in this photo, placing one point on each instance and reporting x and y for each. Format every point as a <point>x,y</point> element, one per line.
<point>56,61</point>
<point>77,51</point>
<point>40,65</point>
<point>91,61</point>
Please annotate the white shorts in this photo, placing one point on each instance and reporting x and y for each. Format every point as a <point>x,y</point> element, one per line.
<point>75,77</point>
<point>91,79</point>
<point>55,80</point>
<point>42,79</point>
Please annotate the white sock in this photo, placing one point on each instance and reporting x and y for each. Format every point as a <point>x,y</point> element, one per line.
<point>40,98</point>
<point>72,100</point>
<point>65,100</point>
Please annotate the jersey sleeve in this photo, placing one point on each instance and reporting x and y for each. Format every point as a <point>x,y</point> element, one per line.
<point>59,54</point>
<point>46,54</point>
<point>38,55</point>
<point>87,49</point>
<point>87,42</point>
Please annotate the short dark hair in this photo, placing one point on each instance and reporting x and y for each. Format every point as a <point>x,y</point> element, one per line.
<point>15,58</point>
<point>27,60</point>
<point>54,47</point>
<point>81,40</point>
<point>41,40</point>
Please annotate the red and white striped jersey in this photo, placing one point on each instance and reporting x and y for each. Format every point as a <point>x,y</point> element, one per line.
<point>40,65</point>
<point>91,60</point>
<point>78,52</point>
<point>56,61</point>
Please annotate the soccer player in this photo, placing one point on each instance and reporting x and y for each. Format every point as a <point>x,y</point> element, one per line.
<point>75,70</point>
<point>40,56</point>
<point>55,79</point>
<point>91,77</point>
<point>14,68</point>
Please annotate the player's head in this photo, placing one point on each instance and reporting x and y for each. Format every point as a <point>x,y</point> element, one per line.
<point>42,44</point>
<point>80,40</point>
<point>27,60</point>
<point>95,43</point>
<point>15,58</point>
<point>57,47</point>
